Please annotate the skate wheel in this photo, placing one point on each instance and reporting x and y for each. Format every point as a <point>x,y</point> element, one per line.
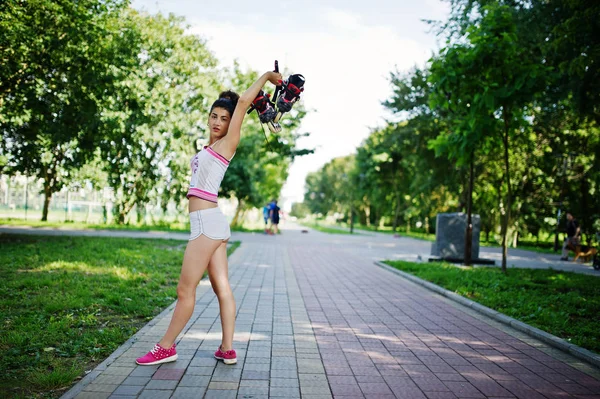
<point>274,127</point>
<point>278,117</point>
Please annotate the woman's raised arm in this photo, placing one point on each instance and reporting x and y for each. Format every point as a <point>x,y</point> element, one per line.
<point>232,139</point>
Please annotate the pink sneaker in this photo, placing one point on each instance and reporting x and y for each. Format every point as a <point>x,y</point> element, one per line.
<point>228,357</point>
<point>158,355</point>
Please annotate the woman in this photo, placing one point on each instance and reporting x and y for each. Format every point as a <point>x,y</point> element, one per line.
<point>207,247</point>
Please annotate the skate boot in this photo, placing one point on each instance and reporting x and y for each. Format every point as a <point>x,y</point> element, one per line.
<point>266,111</point>
<point>292,88</point>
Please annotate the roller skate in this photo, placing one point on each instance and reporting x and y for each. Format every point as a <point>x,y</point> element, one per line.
<point>270,111</point>
<point>266,111</point>
<point>292,88</point>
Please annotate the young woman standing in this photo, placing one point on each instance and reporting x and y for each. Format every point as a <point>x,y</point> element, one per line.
<point>207,247</point>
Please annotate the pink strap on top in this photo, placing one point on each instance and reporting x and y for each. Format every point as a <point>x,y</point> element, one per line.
<point>211,147</point>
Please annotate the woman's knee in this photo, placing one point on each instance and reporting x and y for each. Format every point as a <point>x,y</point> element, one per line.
<point>224,293</point>
<point>185,292</point>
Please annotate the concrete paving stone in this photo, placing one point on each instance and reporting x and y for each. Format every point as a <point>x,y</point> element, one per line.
<point>145,371</point>
<point>221,394</point>
<point>464,389</point>
<point>136,381</point>
<point>188,393</point>
<point>257,366</point>
<point>370,378</point>
<point>168,374</point>
<point>257,360</point>
<point>312,379</point>
<point>92,395</point>
<point>228,373</point>
<point>110,379</point>
<point>285,382</point>
<point>338,370</point>
<point>194,381</point>
<point>284,392</point>
<point>200,370</point>
<point>429,384</point>
<point>345,389</point>
<point>283,353</point>
<point>259,353</point>
<point>128,390</point>
<point>440,395</point>
<point>113,396</point>
<point>203,362</point>
<point>369,389</point>
<point>162,384</point>
<point>282,374</point>
<point>115,370</point>
<point>283,339</point>
<point>254,383</point>
<point>213,385</point>
<point>365,370</point>
<point>255,375</point>
<point>253,392</point>
<point>108,388</point>
<point>315,389</point>
<point>407,393</point>
<point>155,394</point>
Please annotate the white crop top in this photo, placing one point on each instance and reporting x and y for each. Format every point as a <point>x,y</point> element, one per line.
<point>208,170</point>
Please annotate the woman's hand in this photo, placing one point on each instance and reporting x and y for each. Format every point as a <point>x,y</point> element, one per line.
<point>275,78</point>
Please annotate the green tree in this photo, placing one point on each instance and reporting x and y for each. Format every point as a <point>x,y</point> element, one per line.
<point>489,80</point>
<point>166,79</point>
<point>54,68</point>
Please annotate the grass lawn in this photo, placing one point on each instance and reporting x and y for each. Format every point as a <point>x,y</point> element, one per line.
<point>564,304</point>
<point>66,303</point>
<point>172,227</point>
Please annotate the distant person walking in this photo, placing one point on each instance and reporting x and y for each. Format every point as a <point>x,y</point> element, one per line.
<point>267,216</point>
<point>275,217</point>
<point>573,232</point>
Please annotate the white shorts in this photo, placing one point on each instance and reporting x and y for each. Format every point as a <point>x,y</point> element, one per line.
<point>210,222</point>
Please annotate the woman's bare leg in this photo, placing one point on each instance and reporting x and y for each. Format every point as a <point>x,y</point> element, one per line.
<point>219,279</point>
<point>195,260</point>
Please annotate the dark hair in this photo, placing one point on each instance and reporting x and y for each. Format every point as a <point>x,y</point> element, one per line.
<point>227,100</point>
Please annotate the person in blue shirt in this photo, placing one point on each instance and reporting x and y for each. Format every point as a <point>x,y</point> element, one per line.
<point>266,216</point>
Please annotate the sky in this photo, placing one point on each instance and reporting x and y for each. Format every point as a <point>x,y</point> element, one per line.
<point>346,50</point>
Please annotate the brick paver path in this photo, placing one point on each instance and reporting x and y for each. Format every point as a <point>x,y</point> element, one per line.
<point>316,319</point>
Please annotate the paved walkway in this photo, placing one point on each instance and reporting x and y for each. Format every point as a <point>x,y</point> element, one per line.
<point>316,319</point>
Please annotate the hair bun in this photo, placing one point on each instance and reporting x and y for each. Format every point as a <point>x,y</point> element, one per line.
<point>230,95</point>
<point>227,100</point>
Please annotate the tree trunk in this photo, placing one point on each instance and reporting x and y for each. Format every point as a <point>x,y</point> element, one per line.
<point>506,219</point>
<point>121,216</point>
<point>469,229</point>
<point>238,212</point>
<point>586,221</point>
<point>47,198</point>
<point>396,213</point>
